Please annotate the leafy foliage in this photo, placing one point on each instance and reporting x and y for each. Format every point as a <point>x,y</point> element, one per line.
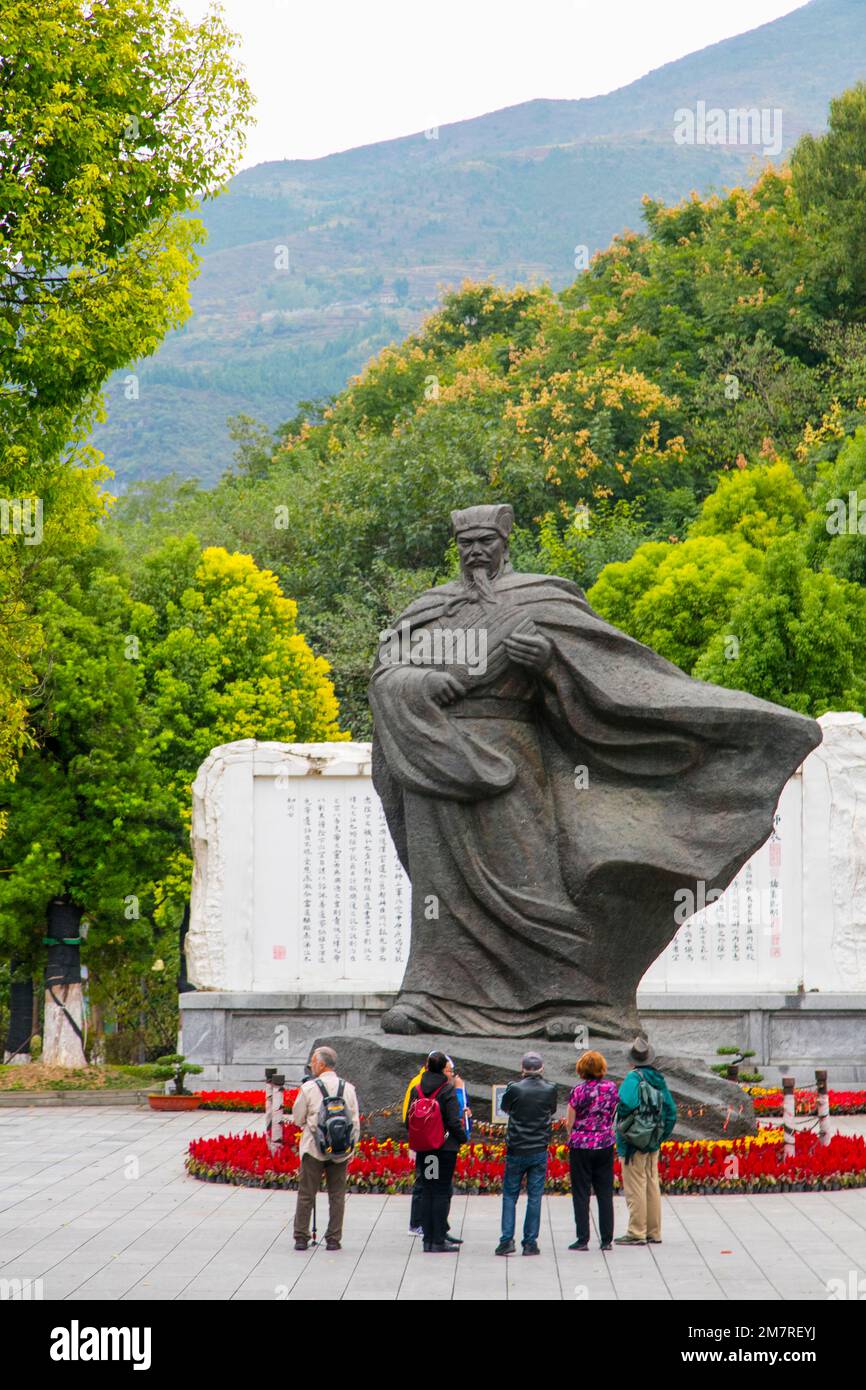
<point>116,120</point>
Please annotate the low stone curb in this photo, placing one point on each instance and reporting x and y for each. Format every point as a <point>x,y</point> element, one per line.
<point>12,1098</point>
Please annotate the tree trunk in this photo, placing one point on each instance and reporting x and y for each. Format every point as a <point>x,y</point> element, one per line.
<point>97,1033</point>
<point>20,1018</point>
<point>141,1045</point>
<point>63,1029</point>
<point>183,984</point>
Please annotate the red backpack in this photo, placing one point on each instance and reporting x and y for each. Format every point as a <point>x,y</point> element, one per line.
<point>426,1129</point>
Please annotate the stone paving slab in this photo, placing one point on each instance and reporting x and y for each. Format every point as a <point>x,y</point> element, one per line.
<point>96,1204</point>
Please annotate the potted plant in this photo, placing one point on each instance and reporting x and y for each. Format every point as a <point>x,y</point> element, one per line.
<point>174,1068</point>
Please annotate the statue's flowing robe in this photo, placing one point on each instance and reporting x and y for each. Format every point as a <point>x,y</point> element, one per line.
<point>547,819</point>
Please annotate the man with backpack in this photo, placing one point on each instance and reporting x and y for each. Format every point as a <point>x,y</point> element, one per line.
<point>327,1114</point>
<point>436,1134</point>
<point>645,1117</point>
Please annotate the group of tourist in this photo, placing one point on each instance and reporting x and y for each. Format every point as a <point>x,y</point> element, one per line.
<point>633,1119</point>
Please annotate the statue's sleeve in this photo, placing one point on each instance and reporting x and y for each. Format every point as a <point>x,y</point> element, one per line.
<point>642,715</point>
<point>426,750</point>
<point>390,794</point>
<point>698,767</point>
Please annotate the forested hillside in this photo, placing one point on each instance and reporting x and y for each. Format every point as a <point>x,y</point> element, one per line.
<point>312,266</point>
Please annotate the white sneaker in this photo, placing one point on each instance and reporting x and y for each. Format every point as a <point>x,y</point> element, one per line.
<point>416,1230</point>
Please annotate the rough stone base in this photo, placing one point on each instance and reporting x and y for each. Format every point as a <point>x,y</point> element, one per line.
<point>234,1036</point>
<point>381,1065</point>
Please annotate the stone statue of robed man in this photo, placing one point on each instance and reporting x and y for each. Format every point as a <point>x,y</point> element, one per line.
<point>550,785</point>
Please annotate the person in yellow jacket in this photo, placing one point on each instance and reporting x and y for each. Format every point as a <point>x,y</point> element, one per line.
<point>415,1209</point>
<point>415,1228</point>
<point>407,1099</point>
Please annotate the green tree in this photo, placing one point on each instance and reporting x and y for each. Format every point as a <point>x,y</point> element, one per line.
<point>36,531</point>
<point>829,173</point>
<point>88,824</point>
<point>117,119</point>
<point>798,637</point>
<point>756,505</point>
<point>837,531</point>
<point>675,598</point>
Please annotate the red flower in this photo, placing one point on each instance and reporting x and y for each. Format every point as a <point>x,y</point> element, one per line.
<point>385,1165</point>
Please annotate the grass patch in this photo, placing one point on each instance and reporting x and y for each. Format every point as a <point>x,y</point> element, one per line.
<point>37,1077</point>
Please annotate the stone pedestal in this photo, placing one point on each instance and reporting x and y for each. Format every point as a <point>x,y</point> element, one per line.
<point>381,1065</point>
<point>235,1035</point>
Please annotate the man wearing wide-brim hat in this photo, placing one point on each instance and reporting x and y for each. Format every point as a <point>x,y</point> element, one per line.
<point>645,1117</point>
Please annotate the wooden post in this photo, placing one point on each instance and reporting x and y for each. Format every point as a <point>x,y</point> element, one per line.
<point>823,1106</point>
<point>270,1073</point>
<point>788,1114</point>
<point>733,1072</point>
<point>276,1137</point>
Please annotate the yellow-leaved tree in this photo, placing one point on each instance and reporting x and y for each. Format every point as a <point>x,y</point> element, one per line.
<point>222,660</point>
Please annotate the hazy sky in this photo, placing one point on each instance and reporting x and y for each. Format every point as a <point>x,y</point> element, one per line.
<point>332,74</point>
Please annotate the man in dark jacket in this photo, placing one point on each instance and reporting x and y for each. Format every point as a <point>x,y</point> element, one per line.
<point>530,1104</point>
<point>434,1168</point>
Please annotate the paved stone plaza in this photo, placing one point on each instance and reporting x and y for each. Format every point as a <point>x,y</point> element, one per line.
<point>95,1203</point>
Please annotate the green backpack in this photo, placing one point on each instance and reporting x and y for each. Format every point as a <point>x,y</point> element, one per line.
<point>644,1127</point>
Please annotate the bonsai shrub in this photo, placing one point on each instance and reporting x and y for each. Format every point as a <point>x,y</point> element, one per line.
<point>174,1068</point>
<point>735,1056</point>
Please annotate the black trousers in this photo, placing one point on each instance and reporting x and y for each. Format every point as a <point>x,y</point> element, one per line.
<point>415,1208</point>
<point>434,1171</point>
<point>592,1169</point>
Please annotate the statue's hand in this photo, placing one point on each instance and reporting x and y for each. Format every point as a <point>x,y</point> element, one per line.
<point>530,649</point>
<point>443,687</point>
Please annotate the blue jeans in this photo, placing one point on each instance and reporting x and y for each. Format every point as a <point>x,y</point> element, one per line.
<point>535,1168</point>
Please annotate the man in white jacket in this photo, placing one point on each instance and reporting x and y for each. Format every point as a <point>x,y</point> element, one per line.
<point>314,1164</point>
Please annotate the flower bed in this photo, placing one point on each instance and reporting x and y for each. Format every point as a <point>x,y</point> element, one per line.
<point>699,1166</point>
<point>769,1102</point>
<point>241,1100</point>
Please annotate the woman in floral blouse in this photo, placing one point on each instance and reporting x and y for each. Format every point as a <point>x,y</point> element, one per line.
<point>590,1122</point>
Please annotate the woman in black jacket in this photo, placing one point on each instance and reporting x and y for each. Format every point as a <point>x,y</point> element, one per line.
<point>434,1168</point>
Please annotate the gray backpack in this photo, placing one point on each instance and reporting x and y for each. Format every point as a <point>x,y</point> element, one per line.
<point>334,1129</point>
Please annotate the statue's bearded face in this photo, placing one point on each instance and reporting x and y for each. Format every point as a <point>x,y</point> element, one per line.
<point>482,555</point>
<point>484,550</point>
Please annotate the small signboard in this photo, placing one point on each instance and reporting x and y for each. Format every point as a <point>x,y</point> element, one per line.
<point>497,1114</point>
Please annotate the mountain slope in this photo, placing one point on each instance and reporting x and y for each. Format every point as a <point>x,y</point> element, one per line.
<point>372,234</point>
